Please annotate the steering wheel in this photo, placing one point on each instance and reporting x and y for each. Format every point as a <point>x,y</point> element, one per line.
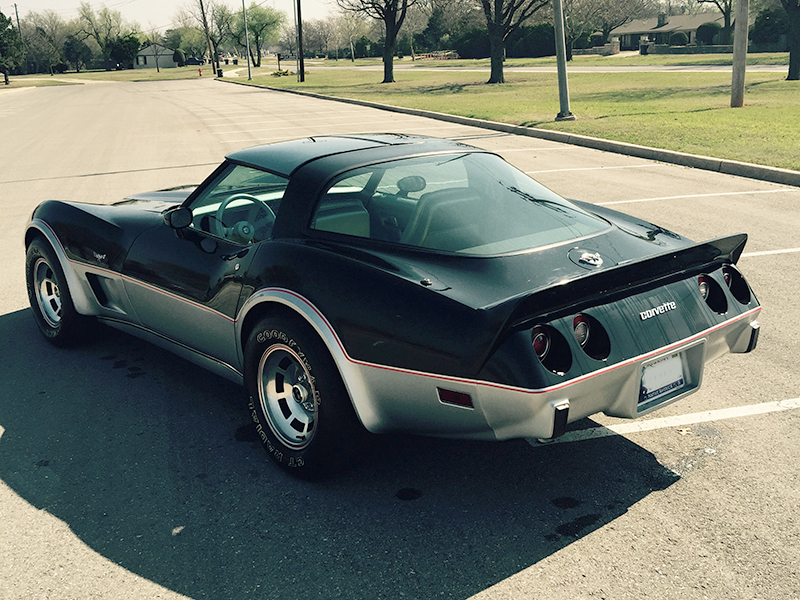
<point>244,231</point>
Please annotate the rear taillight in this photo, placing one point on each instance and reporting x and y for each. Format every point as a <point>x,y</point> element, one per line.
<point>712,293</point>
<point>541,342</point>
<point>551,348</point>
<point>591,336</point>
<point>582,329</point>
<point>736,284</point>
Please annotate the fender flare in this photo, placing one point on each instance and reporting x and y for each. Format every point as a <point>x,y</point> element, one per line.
<point>81,293</point>
<point>349,369</point>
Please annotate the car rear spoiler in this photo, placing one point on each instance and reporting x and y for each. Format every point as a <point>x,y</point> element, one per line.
<point>607,285</point>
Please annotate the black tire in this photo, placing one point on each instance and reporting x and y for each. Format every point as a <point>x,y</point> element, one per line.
<point>301,409</point>
<point>50,299</point>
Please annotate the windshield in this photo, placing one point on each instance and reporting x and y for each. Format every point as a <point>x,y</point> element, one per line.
<point>471,203</point>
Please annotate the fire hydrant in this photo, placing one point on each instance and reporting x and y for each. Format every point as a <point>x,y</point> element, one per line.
<point>200,71</point>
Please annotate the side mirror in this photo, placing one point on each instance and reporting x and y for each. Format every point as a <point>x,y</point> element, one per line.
<point>178,217</point>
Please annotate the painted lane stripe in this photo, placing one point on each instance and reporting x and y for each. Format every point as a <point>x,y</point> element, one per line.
<point>715,194</point>
<point>649,166</point>
<point>770,252</point>
<point>677,421</point>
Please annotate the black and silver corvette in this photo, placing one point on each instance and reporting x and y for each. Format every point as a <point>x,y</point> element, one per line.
<point>393,283</point>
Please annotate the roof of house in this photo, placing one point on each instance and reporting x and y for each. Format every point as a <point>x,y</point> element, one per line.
<point>149,50</point>
<point>674,23</point>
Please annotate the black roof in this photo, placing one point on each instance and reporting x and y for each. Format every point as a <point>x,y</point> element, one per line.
<point>283,158</point>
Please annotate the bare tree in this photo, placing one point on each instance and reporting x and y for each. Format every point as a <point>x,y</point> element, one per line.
<point>392,13</point>
<point>351,26</point>
<point>615,13</point>
<point>503,17</point>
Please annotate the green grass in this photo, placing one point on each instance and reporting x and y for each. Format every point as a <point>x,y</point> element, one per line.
<point>687,112</point>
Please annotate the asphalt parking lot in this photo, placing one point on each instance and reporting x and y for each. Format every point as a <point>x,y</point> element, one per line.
<point>126,472</point>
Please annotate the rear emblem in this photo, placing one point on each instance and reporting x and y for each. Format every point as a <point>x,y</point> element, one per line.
<point>593,259</point>
<point>657,310</point>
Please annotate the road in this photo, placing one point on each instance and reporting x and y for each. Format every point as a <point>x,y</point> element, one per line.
<point>126,472</point>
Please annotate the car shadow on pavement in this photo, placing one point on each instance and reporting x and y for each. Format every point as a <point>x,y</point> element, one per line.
<point>153,463</point>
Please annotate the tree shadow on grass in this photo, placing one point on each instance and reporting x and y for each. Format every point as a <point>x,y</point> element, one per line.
<point>154,464</point>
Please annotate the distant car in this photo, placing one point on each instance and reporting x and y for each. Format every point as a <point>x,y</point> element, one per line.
<point>394,283</point>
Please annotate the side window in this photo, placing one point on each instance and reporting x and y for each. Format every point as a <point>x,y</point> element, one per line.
<point>241,205</point>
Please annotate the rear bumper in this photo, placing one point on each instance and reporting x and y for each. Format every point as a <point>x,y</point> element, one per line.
<point>410,401</point>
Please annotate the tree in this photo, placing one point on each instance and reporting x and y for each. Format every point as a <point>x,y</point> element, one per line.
<point>104,27</point>
<point>615,13</point>
<point>793,10</point>
<point>123,50</point>
<point>10,47</point>
<point>726,8</point>
<point>44,34</point>
<point>264,25</point>
<point>503,17</point>
<point>77,52</point>
<point>392,13</point>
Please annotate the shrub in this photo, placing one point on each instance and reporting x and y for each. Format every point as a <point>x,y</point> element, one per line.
<point>532,42</point>
<point>678,38</point>
<point>707,32</point>
<point>179,57</point>
<point>473,43</point>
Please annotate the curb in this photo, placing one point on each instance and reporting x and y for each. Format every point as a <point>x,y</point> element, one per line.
<point>696,161</point>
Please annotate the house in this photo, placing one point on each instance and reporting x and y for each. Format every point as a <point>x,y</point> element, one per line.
<point>147,57</point>
<point>658,30</point>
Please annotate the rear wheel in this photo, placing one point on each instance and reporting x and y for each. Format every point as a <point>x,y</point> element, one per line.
<point>50,299</point>
<point>300,406</point>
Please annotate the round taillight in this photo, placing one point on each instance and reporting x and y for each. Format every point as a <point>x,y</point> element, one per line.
<point>736,284</point>
<point>541,342</point>
<point>712,293</point>
<point>582,329</point>
<point>704,286</point>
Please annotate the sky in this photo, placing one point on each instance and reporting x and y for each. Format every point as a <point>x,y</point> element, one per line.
<point>157,14</point>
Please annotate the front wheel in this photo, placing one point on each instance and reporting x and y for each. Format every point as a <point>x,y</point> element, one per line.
<point>50,299</point>
<point>303,414</point>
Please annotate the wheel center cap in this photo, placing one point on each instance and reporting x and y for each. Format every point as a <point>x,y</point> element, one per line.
<point>299,394</point>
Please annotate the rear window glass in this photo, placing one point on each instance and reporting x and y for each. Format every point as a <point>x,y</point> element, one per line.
<point>471,203</point>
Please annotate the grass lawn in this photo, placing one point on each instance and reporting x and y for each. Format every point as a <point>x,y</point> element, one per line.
<point>687,112</point>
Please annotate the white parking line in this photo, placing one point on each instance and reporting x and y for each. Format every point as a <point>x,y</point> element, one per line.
<point>776,191</point>
<point>647,166</point>
<point>768,252</point>
<point>678,421</point>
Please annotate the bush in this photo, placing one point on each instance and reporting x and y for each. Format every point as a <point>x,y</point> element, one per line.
<point>473,43</point>
<point>678,38</point>
<point>707,32</point>
<point>532,42</point>
<point>179,57</point>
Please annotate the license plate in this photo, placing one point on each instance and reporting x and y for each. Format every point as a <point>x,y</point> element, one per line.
<point>661,378</point>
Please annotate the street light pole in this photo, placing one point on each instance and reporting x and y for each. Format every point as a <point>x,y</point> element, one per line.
<point>565,113</point>
<point>740,35</point>
<point>301,69</point>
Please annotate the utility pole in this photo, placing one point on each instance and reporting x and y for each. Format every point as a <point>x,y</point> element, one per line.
<point>565,113</point>
<point>740,35</point>
<point>301,68</point>
<point>247,41</point>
